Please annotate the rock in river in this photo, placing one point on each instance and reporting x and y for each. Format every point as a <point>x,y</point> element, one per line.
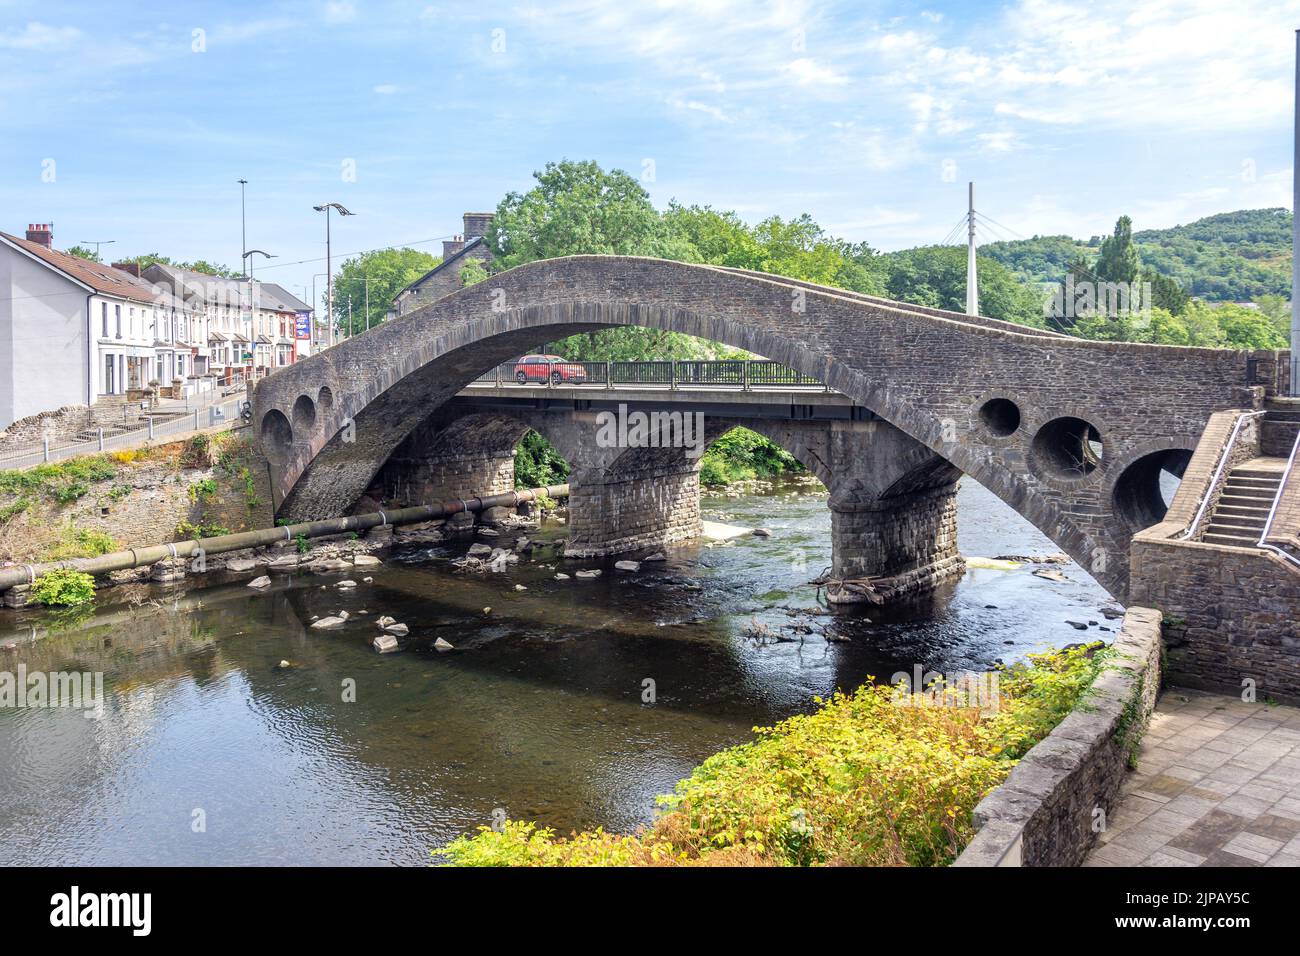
<point>327,622</point>
<point>262,582</point>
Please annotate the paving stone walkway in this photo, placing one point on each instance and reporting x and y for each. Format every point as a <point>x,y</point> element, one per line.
<point>1217,784</point>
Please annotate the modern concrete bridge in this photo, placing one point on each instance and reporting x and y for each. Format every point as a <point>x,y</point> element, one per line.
<point>1073,434</point>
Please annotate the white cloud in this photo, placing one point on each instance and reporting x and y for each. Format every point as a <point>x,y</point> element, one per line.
<point>808,72</point>
<point>39,36</point>
<point>385,89</point>
<point>340,12</point>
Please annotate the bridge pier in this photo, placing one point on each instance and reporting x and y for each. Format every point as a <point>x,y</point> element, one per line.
<point>903,545</point>
<point>614,511</point>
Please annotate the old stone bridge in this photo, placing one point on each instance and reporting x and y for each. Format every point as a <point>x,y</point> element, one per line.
<point>1073,434</point>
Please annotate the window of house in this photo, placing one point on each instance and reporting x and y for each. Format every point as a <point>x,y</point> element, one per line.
<point>117,315</point>
<point>103,319</point>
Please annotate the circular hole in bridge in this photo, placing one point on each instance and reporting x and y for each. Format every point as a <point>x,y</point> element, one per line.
<point>1001,416</point>
<point>1146,489</point>
<point>277,433</point>
<point>1068,447</point>
<point>304,414</point>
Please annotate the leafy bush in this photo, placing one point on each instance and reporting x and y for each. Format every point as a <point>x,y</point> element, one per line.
<point>64,587</point>
<point>740,455</point>
<point>202,529</point>
<point>862,780</point>
<point>537,463</point>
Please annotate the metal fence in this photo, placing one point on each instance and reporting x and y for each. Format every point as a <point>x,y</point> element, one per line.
<point>219,413</point>
<point>724,373</point>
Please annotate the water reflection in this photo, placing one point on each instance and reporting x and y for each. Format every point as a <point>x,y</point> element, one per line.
<point>538,710</point>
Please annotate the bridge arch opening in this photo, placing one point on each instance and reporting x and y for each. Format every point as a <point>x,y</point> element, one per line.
<point>1146,488</point>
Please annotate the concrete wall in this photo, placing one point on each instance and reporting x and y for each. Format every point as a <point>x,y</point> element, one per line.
<point>1048,811</point>
<point>42,338</point>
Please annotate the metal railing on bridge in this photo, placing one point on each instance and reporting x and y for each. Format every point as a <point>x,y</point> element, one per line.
<point>744,374</point>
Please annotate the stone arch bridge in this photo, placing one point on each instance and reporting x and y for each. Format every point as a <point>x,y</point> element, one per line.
<point>1072,434</point>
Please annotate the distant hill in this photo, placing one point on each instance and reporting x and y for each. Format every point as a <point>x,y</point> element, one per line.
<point>1229,257</point>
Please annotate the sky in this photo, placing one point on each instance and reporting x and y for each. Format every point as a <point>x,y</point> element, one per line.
<point>133,122</point>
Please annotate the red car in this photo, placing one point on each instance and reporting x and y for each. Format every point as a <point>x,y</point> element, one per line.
<point>552,368</point>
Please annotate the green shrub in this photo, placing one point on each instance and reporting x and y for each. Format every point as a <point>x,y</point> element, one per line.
<point>64,587</point>
<point>861,781</point>
<point>742,454</point>
<point>80,543</point>
<point>63,482</point>
<point>188,530</point>
<point>537,463</point>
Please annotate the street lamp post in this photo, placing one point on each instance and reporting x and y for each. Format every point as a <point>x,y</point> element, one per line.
<point>329,265</point>
<point>243,223</point>
<point>252,301</point>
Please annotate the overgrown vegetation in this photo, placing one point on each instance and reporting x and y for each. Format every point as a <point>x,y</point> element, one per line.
<point>77,542</point>
<point>63,587</point>
<point>863,780</point>
<point>538,464</point>
<point>62,482</point>
<point>741,455</point>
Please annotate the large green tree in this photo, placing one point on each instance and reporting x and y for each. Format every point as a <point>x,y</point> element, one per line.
<point>386,272</point>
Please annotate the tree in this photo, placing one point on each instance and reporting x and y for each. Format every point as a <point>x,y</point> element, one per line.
<point>1118,259</point>
<point>81,252</point>
<point>199,265</point>
<point>1247,328</point>
<point>387,272</point>
<point>935,276</point>
<point>577,208</point>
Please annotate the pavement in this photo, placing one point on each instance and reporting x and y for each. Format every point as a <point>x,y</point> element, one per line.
<point>1217,784</point>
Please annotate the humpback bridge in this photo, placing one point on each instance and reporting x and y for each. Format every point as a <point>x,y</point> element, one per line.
<point>1073,434</point>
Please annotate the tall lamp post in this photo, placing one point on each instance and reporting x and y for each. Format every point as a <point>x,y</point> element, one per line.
<point>243,223</point>
<point>329,270</point>
<point>252,300</point>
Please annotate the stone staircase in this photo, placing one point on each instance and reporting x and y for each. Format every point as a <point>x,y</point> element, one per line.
<point>1242,510</point>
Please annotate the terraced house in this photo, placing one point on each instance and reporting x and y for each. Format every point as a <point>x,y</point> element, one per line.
<point>74,331</point>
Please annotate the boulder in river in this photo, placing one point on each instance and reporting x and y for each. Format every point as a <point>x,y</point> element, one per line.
<point>240,564</point>
<point>588,574</point>
<point>365,560</point>
<point>327,622</point>
<point>385,644</point>
<point>561,576</point>
<point>261,582</point>
<point>657,556</point>
<point>627,565</point>
<point>400,630</point>
<point>347,584</point>
<point>479,550</point>
<point>385,620</point>
<point>442,645</point>
<point>762,532</point>
<point>329,566</point>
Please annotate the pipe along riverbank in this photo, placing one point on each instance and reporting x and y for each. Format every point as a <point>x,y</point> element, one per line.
<point>219,544</point>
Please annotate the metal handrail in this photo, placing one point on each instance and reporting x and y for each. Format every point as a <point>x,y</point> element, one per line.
<point>1277,502</point>
<point>1218,473</point>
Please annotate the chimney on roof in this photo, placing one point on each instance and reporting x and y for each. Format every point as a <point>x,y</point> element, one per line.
<point>41,233</point>
<point>476,224</point>
<point>131,267</point>
<point>451,246</point>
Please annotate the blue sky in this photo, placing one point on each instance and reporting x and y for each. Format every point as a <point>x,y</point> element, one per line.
<point>869,116</point>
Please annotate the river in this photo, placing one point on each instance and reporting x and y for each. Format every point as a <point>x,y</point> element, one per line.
<point>206,751</point>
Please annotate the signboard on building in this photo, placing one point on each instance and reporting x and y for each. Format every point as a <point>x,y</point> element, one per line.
<point>302,329</point>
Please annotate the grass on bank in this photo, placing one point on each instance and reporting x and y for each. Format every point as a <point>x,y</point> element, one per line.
<point>861,781</point>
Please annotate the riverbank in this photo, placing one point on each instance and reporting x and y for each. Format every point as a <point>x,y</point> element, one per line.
<point>883,776</point>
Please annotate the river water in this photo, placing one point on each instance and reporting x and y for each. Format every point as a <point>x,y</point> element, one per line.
<point>206,751</point>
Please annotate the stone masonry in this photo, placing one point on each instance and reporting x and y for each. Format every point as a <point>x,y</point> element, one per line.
<point>1062,429</point>
<point>893,501</point>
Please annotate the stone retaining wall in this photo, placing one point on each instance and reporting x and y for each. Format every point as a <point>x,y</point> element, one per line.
<point>1051,807</point>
